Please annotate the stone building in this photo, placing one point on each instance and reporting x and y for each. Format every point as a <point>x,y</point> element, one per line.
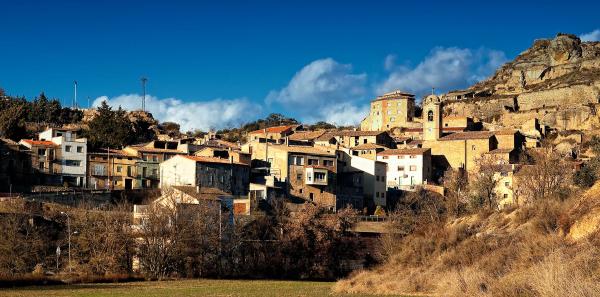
<point>210,172</point>
<point>115,169</point>
<point>70,154</point>
<point>407,168</point>
<point>390,110</point>
<point>151,154</point>
<point>275,134</point>
<point>461,149</point>
<point>350,139</point>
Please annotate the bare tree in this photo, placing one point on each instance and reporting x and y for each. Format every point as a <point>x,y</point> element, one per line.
<point>456,187</point>
<point>547,177</point>
<point>484,180</point>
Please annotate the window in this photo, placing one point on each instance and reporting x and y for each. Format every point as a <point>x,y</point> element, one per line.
<point>365,141</point>
<point>505,196</point>
<point>473,147</point>
<point>506,184</point>
<point>75,163</point>
<point>67,148</point>
<point>392,119</point>
<point>389,112</point>
<point>222,179</point>
<point>41,165</point>
<point>319,176</point>
<point>382,195</point>
<point>389,104</point>
<point>385,157</point>
<point>313,162</point>
<point>297,160</point>
<point>377,177</point>
<point>400,168</point>
<point>413,167</point>
<point>154,158</point>
<point>79,149</point>
<point>299,177</point>
<point>377,194</point>
<point>311,196</point>
<point>144,169</point>
<point>119,168</point>
<point>413,157</point>
<point>41,152</point>
<point>328,163</point>
<point>155,172</point>
<point>300,191</point>
<point>430,116</point>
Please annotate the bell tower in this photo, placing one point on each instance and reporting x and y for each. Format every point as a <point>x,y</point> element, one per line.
<point>432,118</point>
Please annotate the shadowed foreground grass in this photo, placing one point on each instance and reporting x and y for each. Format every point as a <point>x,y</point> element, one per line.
<point>220,288</point>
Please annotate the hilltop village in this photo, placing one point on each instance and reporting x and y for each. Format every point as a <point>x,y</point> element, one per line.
<point>250,202</point>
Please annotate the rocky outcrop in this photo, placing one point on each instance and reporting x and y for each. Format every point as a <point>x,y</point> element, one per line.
<point>552,76</point>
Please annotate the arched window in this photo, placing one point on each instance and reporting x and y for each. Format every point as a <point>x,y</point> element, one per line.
<point>430,115</point>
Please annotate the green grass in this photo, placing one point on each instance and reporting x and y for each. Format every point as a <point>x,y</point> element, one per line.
<point>216,288</point>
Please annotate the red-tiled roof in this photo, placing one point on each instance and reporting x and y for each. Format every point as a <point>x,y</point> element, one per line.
<point>202,159</point>
<point>39,142</point>
<point>307,135</point>
<point>407,151</point>
<point>368,146</point>
<point>276,129</point>
<point>468,135</point>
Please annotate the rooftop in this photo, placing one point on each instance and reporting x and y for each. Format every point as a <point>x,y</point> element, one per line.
<point>39,142</point>
<point>276,129</point>
<point>203,159</point>
<point>202,192</point>
<point>353,133</point>
<point>309,150</point>
<point>307,135</point>
<point>407,151</point>
<point>397,94</point>
<point>368,146</point>
<point>468,135</point>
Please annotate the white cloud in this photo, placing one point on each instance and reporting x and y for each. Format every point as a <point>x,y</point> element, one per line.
<point>217,113</point>
<point>323,90</point>
<point>444,69</point>
<point>591,36</point>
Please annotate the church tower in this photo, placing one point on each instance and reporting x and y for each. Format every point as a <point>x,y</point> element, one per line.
<point>432,118</point>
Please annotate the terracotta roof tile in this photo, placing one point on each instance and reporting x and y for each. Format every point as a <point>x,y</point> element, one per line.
<point>276,129</point>
<point>203,159</point>
<point>39,142</point>
<point>308,135</point>
<point>368,146</point>
<point>309,150</point>
<point>468,135</point>
<point>407,151</point>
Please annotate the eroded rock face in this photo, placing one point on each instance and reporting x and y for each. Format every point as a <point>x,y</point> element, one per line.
<point>550,77</point>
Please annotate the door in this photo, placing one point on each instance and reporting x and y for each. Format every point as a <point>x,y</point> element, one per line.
<point>128,184</point>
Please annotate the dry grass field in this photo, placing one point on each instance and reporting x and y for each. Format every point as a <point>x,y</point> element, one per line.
<point>183,288</point>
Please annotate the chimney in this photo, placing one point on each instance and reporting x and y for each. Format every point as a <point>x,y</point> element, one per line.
<point>197,188</point>
<point>287,141</point>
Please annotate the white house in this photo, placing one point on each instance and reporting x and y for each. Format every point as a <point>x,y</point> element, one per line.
<point>227,175</point>
<point>407,168</point>
<point>71,155</point>
<point>374,175</point>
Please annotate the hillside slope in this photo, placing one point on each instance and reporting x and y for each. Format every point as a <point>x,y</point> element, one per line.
<point>548,249</point>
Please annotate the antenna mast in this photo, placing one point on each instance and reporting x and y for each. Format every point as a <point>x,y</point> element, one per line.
<point>144,80</point>
<point>75,94</point>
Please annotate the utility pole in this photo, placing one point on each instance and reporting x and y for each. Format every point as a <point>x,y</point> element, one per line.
<point>144,80</point>
<point>69,237</point>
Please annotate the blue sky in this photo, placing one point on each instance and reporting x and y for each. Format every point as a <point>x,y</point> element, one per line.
<point>221,63</point>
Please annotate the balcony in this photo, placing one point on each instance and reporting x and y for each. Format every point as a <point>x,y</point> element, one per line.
<point>316,176</point>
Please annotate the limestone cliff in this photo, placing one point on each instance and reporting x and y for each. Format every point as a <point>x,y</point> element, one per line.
<point>556,80</point>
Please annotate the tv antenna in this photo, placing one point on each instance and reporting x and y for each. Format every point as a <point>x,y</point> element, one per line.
<point>144,80</point>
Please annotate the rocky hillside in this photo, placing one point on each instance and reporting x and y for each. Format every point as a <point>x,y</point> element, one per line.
<point>551,248</point>
<point>556,80</point>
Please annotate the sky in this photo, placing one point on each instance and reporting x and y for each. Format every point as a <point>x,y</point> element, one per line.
<point>217,64</point>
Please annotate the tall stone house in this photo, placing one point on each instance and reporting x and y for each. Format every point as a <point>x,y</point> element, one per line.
<point>390,110</point>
